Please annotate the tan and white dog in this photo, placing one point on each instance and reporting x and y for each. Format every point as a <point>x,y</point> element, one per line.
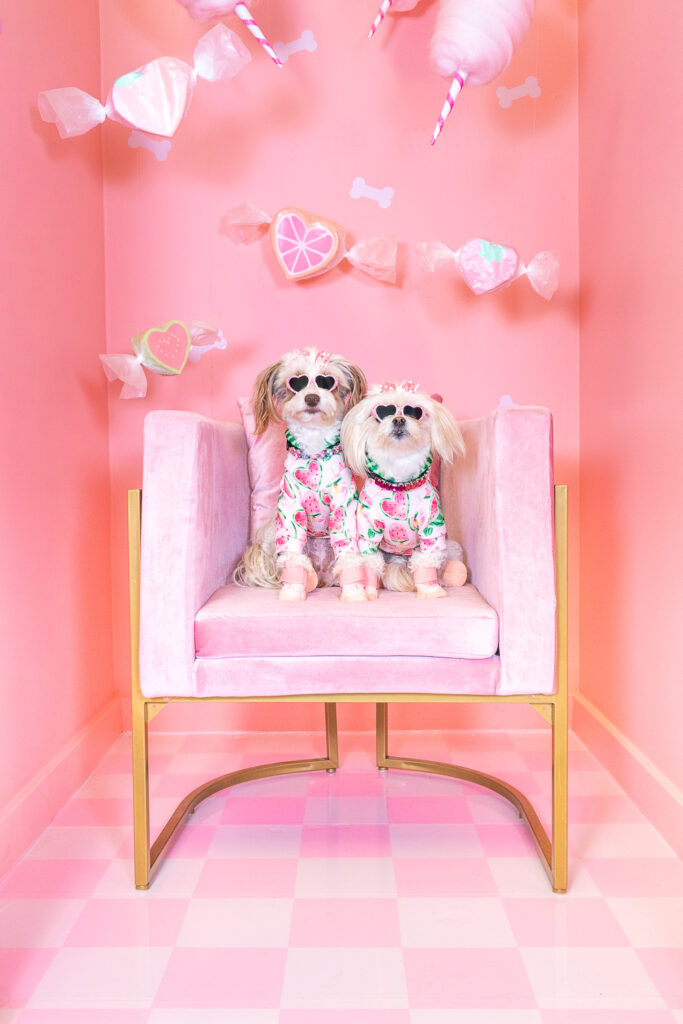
<point>312,539</point>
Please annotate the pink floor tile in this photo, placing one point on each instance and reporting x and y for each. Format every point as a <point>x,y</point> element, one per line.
<point>345,922</point>
<point>210,978</point>
<point>264,811</point>
<point>618,840</point>
<point>40,923</point>
<point>113,978</point>
<point>178,785</point>
<point>526,876</point>
<point>96,812</point>
<point>603,978</point>
<point>442,978</point>
<point>127,922</point>
<point>437,840</point>
<point>454,923</point>
<point>238,841</point>
<point>665,967</point>
<point>615,807</point>
<point>72,842</point>
<point>90,1016</point>
<point>281,786</point>
<point>558,921</point>
<point>20,972</point>
<point>594,1016</point>
<point>239,922</point>
<point>347,784</point>
<point>637,876</point>
<point>53,879</point>
<point>344,1017</point>
<point>430,809</point>
<point>345,841</point>
<point>444,877</point>
<point>508,840</point>
<point>349,877</point>
<point>345,810</point>
<point>172,879</point>
<point>360,979</point>
<point>247,877</point>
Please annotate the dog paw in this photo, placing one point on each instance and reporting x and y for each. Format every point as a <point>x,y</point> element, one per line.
<point>353,592</point>
<point>292,592</point>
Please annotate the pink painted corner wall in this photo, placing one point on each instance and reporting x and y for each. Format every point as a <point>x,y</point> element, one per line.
<point>55,597</point>
<point>631,223</point>
<point>300,135</point>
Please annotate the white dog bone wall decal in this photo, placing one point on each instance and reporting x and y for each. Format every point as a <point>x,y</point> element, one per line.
<point>197,351</point>
<point>383,196</point>
<point>160,147</point>
<point>506,97</point>
<point>306,41</point>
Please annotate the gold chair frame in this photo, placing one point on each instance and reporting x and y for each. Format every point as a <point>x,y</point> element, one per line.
<point>553,707</point>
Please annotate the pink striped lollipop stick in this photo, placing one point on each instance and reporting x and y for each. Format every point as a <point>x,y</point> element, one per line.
<point>386,4</point>
<point>244,14</point>
<point>456,85</point>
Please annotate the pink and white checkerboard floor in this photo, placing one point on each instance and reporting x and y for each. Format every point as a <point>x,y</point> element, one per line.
<point>356,898</point>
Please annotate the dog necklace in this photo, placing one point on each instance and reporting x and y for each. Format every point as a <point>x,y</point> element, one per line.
<point>326,453</point>
<point>393,485</point>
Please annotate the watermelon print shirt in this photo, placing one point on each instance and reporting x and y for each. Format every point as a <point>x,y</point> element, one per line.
<point>400,521</point>
<point>318,498</point>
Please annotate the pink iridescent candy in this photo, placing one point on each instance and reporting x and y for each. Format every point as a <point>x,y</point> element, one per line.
<point>152,99</point>
<point>485,266</point>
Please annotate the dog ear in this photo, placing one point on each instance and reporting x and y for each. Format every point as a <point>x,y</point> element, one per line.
<point>263,398</point>
<point>447,440</point>
<point>355,382</point>
<point>355,428</point>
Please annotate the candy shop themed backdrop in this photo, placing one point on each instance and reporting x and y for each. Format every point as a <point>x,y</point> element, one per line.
<point>103,238</point>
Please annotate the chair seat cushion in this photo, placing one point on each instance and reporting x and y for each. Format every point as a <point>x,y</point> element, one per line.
<point>238,622</point>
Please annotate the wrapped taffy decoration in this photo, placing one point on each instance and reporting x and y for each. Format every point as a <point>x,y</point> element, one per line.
<point>486,267</point>
<point>152,99</point>
<point>307,245</point>
<point>164,350</point>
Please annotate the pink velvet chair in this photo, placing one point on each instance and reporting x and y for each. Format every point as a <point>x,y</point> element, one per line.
<point>197,637</point>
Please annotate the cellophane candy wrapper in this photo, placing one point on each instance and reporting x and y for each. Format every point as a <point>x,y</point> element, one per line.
<point>164,350</point>
<point>152,99</point>
<point>307,245</point>
<point>486,267</point>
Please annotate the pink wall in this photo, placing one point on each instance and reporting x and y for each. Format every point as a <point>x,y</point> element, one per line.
<point>54,516</point>
<point>631,373</point>
<point>301,135</point>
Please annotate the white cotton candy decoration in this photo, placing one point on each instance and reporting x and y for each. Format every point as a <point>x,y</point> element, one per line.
<point>477,38</point>
<point>205,10</point>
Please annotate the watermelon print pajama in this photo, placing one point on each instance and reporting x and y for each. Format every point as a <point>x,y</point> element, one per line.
<point>318,498</point>
<point>400,522</point>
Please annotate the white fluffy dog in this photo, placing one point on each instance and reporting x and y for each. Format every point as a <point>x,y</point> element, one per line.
<point>312,539</point>
<point>391,438</point>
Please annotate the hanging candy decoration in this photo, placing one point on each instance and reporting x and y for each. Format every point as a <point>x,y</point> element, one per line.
<point>306,245</point>
<point>474,41</point>
<point>205,10</point>
<point>153,99</point>
<point>486,267</point>
<point>165,350</point>
<point>387,5</point>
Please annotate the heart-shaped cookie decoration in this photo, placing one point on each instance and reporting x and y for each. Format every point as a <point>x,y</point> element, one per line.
<point>155,98</point>
<point>164,349</point>
<point>304,244</point>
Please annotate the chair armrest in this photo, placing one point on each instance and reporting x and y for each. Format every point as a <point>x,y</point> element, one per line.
<point>195,519</point>
<point>498,502</point>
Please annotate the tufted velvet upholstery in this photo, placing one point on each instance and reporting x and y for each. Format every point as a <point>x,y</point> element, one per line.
<point>202,636</point>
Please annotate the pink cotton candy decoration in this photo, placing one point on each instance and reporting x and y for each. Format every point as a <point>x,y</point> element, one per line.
<point>205,10</point>
<point>152,99</point>
<point>478,37</point>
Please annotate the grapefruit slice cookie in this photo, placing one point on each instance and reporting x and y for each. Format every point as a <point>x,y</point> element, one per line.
<point>305,244</point>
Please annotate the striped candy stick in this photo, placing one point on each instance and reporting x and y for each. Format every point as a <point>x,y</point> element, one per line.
<point>386,4</point>
<point>244,14</point>
<point>456,85</point>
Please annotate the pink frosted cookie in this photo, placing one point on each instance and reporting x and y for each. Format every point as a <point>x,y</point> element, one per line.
<point>304,244</point>
<point>164,349</point>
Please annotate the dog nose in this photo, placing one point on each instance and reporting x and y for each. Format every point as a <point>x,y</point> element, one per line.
<point>312,400</point>
<point>399,421</point>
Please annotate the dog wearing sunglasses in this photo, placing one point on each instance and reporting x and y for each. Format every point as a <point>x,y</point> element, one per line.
<point>312,540</point>
<point>391,437</point>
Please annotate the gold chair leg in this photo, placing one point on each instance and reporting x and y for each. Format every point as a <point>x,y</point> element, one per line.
<point>549,857</point>
<point>331,737</point>
<point>560,814</point>
<point>141,834</point>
